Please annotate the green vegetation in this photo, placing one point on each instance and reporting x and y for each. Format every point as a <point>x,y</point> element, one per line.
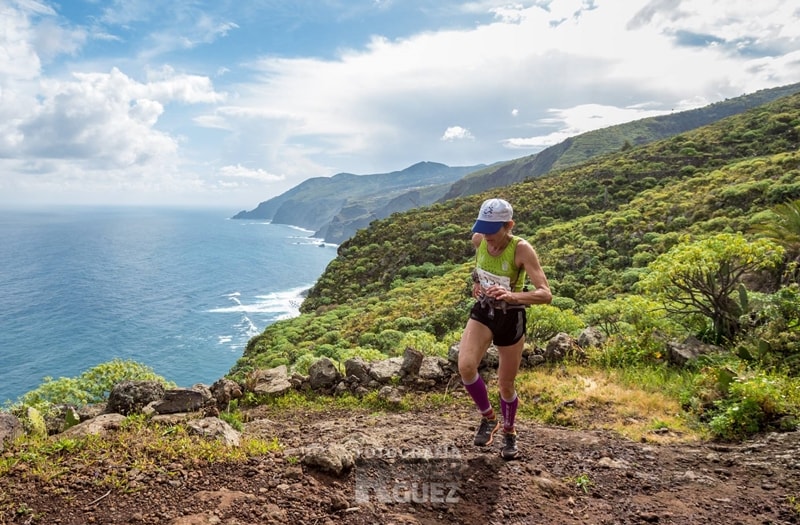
<point>688,236</point>
<point>582,482</point>
<point>140,449</point>
<point>692,236</point>
<point>92,386</point>
<point>700,278</point>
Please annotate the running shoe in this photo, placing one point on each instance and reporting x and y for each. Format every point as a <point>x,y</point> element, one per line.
<point>510,450</point>
<point>486,430</point>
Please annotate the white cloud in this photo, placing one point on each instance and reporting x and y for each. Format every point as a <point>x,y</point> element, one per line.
<point>579,119</point>
<point>241,172</point>
<point>456,133</point>
<point>547,63</point>
<point>520,75</point>
<point>105,117</point>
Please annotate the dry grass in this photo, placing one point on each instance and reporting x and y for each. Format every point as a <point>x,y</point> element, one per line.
<point>579,397</point>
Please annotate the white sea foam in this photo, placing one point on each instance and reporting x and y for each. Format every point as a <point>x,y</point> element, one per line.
<point>285,303</point>
<point>189,318</point>
<point>275,306</point>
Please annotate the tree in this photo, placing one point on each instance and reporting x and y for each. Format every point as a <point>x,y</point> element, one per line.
<point>703,277</point>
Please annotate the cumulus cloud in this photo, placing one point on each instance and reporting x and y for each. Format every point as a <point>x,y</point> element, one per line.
<point>456,133</point>
<point>108,118</point>
<point>523,75</point>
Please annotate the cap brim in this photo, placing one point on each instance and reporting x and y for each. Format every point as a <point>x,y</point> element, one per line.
<point>487,227</point>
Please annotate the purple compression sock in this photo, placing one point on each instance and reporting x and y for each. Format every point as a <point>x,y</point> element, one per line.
<point>509,409</point>
<point>480,395</point>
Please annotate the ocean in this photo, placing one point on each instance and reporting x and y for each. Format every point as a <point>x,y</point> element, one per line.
<point>181,291</point>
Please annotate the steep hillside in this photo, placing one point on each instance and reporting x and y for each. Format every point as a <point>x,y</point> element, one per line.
<point>598,196</point>
<point>335,207</point>
<point>581,148</point>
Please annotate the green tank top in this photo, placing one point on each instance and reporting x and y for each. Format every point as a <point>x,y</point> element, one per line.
<point>500,270</point>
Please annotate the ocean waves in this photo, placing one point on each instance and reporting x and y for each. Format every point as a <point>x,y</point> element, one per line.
<point>181,291</point>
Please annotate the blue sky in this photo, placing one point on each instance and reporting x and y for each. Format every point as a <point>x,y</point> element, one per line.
<point>232,102</point>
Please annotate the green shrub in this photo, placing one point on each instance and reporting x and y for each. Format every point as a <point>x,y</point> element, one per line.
<point>367,354</point>
<point>233,418</point>
<point>630,348</point>
<point>756,403</point>
<point>545,321</point>
<point>92,386</point>
<point>423,342</point>
<point>773,338</point>
<point>629,314</point>
<point>388,341</point>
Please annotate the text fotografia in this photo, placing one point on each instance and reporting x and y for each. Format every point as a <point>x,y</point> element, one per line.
<point>444,452</point>
<point>417,475</point>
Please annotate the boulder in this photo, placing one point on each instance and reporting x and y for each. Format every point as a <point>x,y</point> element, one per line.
<point>390,395</point>
<point>10,429</point>
<point>334,458</point>
<point>100,425</point>
<point>357,367</point>
<point>383,371</point>
<point>323,375</point>
<point>224,391</point>
<point>412,361</point>
<point>130,397</point>
<point>682,353</point>
<point>433,368</point>
<point>215,428</point>
<point>274,381</point>
<point>591,337</point>
<point>88,412</point>
<point>179,400</point>
<point>561,346</point>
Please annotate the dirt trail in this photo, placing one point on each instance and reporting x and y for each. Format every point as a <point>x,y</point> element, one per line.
<point>423,469</point>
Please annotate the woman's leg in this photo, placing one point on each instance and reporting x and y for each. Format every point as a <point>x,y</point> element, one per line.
<point>475,340</point>
<point>510,359</point>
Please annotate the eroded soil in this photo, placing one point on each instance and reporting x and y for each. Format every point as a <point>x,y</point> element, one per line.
<point>423,469</point>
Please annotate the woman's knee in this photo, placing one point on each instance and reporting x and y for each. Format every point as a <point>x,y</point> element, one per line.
<point>507,389</point>
<point>467,369</point>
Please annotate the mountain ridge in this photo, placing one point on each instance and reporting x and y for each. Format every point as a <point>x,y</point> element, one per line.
<point>336,207</point>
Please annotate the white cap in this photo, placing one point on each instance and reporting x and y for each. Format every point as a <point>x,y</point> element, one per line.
<point>494,213</point>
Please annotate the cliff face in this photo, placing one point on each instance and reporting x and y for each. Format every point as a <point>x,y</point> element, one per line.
<point>336,207</point>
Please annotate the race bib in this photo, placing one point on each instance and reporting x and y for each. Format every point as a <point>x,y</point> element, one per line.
<point>487,279</point>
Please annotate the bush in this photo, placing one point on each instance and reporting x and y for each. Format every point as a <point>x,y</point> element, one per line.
<point>545,321</point>
<point>388,341</point>
<point>773,338</point>
<point>423,342</point>
<point>757,403</point>
<point>629,349</point>
<point>92,386</point>
<point>631,314</point>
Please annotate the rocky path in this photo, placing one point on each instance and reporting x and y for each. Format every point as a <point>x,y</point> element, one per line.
<point>358,468</point>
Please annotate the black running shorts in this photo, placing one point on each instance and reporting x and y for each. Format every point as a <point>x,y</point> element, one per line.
<point>507,328</point>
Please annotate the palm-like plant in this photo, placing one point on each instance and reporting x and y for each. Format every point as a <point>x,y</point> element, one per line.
<point>784,228</point>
